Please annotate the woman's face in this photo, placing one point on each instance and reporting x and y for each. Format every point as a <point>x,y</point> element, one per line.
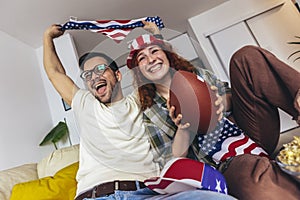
<point>153,63</point>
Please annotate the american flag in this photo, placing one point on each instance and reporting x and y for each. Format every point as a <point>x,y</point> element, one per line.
<point>228,141</point>
<point>182,174</point>
<point>114,29</point>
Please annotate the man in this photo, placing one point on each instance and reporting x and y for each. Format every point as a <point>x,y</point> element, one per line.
<point>115,154</point>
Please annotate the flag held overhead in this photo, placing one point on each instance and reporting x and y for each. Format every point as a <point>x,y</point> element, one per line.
<point>114,29</point>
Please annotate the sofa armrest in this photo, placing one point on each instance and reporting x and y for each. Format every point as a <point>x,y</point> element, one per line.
<point>10,177</point>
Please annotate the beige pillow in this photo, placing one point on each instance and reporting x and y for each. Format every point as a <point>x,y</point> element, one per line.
<point>10,177</point>
<point>57,160</point>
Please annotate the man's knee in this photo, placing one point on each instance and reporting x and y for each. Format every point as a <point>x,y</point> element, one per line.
<point>249,48</point>
<point>245,58</point>
<point>244,53</point>
<point>254,169</point>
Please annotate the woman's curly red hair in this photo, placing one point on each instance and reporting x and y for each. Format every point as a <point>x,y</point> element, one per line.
<point>146,89</point>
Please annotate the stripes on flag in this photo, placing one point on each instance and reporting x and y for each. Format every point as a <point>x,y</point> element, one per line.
<point>114,29</point>
<point>228,141</point>
<point>182,174</point>
<point>238,145</point>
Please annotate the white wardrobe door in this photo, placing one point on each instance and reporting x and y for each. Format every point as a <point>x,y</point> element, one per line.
<point>283,25</point>
<point>228,40</point>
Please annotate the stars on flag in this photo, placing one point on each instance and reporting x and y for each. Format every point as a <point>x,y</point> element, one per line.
<point>218,186</point>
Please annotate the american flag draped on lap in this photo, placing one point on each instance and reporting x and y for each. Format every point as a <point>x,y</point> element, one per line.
<point>182,174</point>
<point>114,29</point>
<point>228,141</point>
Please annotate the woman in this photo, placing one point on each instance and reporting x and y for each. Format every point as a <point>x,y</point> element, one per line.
<point>249,176</point>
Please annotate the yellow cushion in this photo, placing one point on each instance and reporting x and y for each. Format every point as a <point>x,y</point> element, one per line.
<point>61,186</point>
<point>12,176</point>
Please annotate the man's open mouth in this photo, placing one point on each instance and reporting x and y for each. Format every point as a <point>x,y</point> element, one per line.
<point>100,87</point>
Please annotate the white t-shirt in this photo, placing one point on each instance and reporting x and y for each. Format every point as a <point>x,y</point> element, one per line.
<point>113,143</point>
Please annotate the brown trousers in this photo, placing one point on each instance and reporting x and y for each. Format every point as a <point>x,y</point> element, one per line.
<point>261,84</point>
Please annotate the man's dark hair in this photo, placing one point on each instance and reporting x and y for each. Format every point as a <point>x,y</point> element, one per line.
<point>111,63</point>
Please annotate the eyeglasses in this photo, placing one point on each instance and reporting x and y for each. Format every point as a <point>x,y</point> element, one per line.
<point>98,69</point>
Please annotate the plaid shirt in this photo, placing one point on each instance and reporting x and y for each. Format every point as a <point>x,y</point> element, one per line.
<point>161,129</point>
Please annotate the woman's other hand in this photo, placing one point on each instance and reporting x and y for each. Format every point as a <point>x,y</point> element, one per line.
<point>176,119</point>
<point>218,103</point>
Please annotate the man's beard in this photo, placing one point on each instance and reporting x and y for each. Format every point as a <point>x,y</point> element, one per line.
<point>114,93</point>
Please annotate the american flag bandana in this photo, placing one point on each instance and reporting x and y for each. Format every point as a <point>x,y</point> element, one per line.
<point>114,29</point>
<point>182,174</point>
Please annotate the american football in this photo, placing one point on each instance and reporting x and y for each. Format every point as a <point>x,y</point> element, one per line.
<point>193,98</point>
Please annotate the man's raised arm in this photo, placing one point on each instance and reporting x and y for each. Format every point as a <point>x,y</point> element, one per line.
<point>53,66</point>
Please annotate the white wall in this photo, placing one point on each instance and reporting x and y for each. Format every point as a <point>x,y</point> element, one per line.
<point>25,116</point>
<point>68,55</point>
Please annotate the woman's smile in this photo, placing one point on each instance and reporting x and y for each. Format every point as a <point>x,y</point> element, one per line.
<point>155,68</point>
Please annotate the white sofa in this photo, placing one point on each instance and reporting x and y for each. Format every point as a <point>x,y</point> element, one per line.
<point>47,167</point>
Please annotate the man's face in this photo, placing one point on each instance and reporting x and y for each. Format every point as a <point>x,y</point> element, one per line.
<point>102,85</point>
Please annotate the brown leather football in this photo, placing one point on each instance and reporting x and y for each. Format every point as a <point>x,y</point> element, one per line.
<point>193,98</point>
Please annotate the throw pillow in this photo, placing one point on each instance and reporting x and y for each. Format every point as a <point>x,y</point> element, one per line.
<point>57,160</point>
<point>12,176</point>
<point>62,186</point>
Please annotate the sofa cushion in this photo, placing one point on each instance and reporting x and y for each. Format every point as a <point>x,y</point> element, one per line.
<point>61,186</point>
<point>10,177</point>
<point>57,160</point>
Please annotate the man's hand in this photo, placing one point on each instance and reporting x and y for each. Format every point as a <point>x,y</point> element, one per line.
<point>53,31</point>
<point>151,27</point>
<point>218,103</point>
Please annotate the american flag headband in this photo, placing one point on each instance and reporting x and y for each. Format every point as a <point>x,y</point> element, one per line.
<point>114,29</point>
